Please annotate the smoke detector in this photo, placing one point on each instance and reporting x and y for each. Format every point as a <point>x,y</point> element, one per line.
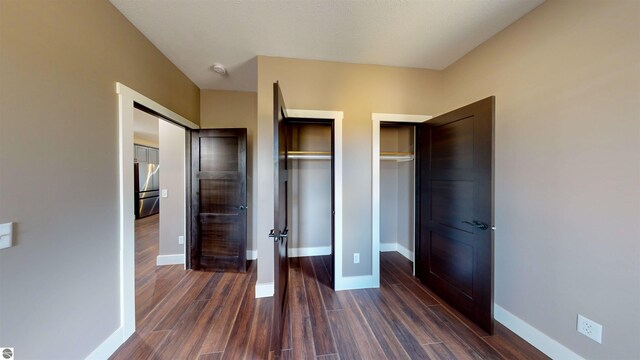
<point>219,68</point>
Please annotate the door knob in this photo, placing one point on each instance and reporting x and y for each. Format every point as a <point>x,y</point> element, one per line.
<point>242,207</point>
<point>477,224</point>
<point>272,234</point>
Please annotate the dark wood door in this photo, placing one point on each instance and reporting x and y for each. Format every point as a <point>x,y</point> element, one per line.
<point>280,230</point>
<point>455,209</point>
<point>219,200</point>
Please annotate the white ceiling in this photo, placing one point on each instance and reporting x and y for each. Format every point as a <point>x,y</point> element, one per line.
<point>145,126</point>
<point>430,34</point>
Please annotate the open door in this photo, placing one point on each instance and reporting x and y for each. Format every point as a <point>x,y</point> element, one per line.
<point>280,229</point>
<point>219,200</point>
<point>455,209</point>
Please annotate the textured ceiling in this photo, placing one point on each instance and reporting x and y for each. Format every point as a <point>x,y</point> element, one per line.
<point>194,34</point>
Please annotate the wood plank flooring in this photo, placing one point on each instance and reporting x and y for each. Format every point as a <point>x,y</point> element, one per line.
<point>208,315</point>
<point>152,282</point>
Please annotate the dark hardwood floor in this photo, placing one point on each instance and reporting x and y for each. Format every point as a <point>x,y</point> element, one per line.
<point>152,282</point>
<point>213,315</point>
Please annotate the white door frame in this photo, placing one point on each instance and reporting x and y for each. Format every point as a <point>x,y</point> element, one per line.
<point>126,99</point>
<point>376,118</point>
<point>337,117</point>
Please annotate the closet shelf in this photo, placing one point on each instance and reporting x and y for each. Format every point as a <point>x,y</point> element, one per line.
<point>309,155</point>
<point>396,156</point>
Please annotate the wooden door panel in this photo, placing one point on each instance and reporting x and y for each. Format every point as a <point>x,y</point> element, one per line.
<point>219,200</point>
<point>452,146</point>
<point>216,240</point>
<point>219,195</point>
<point>219,154</point>
<point>452,261</point>
<point>452,203</point>
<point>455,209</point>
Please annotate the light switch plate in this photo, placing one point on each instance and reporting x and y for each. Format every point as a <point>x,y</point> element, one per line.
<point>6,235</point>
<point>165,193</point>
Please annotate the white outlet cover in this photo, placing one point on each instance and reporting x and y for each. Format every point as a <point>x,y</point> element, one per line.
<point>356,258</point>
<point>165,193</point>
<point>589,328</point>
<point>180,240</point>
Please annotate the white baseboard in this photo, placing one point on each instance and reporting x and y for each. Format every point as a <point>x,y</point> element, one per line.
<point>387,247</point>
<point>108,346</point>
<point>264,290</point>
<point>309,251</point>
<point>252,254</point>
<point>405,252</point>
<point>533,336</point>
<point>354,282</point>
<point>173,259</point>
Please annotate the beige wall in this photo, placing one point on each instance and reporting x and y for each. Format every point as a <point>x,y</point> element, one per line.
<point>567,83</point>
<point>235,109</point>
<point>59,62</point>
<point>172,178</point>
<point>358,90</point>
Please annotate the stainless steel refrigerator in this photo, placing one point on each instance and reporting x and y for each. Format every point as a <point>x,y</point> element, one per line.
<point>147,189</point>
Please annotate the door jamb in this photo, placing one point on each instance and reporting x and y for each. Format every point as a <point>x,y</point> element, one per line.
<point>376,119</point>
<point>337,117</point>
<point>127,98</point>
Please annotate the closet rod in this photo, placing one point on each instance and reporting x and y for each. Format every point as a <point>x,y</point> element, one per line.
<point>396,156</point>
<point>309,155</point>
<point>326,155</point>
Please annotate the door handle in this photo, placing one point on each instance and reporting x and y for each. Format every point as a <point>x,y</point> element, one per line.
<point>242,207</point>
<point>477,224</point>
<point>280,235</point>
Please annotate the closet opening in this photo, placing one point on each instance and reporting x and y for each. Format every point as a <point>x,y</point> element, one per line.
<point>310,193</point>
<point>397,197</point>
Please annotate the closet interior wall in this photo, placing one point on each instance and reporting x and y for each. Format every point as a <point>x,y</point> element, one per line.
<point>397,196</point>
<point>309,200</point>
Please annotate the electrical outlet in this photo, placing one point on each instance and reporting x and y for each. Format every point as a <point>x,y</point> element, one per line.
<point>590,328</point>
<point>180,240</point>
<point>356,258</point>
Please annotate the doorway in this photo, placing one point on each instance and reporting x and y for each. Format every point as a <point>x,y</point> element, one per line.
<point>323,120</point>
<point>128,101</point>
<point>397,189</point>
<point>390,163</point>
<point>159,206</point>
<point>310,197</point>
